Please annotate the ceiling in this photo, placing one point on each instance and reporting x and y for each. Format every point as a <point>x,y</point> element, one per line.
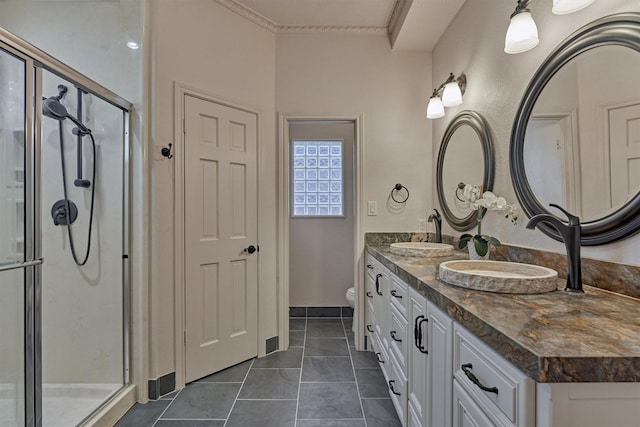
<point>410,24</point>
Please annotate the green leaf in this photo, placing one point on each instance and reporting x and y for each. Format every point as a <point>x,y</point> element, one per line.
<point>481,245</point>
<point>464,239</point>
<point>493,240</point>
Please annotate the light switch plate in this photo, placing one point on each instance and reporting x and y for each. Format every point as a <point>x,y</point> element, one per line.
<point>372,208</point>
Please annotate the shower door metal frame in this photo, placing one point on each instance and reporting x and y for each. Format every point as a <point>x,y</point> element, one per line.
<point>32,256</point>
<point>35,62</point>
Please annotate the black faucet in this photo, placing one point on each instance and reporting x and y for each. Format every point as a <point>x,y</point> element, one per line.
<point>571,233</point>
<point>437,220</point>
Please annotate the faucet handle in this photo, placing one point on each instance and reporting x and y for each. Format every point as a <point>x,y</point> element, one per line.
<point>573,220</point>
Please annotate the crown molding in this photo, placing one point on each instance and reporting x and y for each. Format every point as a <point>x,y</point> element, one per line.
<point>273,27</point>
<point>249,14</point>
<point>292,29</point>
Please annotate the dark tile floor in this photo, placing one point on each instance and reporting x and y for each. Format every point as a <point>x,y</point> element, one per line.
<point>321,381</point>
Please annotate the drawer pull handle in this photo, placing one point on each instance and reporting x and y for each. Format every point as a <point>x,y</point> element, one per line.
<point>378,276</point>
<point>395,294</point>
<point>370,267</point>
<point>467,370</point>
<point>395,338</point>
<point>369,294</point>
<point>369,328</point>
<point>391,383</point>
<point>379,358</point>
<point>417,334</point>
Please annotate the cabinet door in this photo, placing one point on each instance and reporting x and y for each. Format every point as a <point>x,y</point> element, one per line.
<point>381,305</point>
<point>440,367</point>
<point>465,412</point>
<point>418,386</point>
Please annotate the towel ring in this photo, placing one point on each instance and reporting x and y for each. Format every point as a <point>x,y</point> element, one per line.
<point>396,189</point>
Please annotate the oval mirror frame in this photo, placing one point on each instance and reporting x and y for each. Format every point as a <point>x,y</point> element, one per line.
<point>620,29</point>
<point>481,128</point>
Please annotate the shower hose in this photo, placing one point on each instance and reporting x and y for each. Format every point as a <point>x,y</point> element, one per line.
<point>66,199</point>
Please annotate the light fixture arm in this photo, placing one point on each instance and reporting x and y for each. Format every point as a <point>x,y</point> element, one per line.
<point>522,6</point>
<point>461,80</point>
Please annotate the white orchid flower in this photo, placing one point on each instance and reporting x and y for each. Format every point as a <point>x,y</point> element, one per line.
<point>471,193</point>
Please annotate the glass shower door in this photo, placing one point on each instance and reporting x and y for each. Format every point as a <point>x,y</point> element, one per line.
<point>16,265</point>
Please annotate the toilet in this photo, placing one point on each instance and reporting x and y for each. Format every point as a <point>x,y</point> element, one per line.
<point>351,296</point>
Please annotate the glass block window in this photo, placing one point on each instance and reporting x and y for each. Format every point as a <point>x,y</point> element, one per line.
<point>317,187</point>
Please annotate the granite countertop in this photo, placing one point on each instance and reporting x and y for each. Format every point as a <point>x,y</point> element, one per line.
<point>552,337</point>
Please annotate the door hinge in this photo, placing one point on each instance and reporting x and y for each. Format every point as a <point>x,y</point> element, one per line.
<point>185,337</point>
<point>184,126</point>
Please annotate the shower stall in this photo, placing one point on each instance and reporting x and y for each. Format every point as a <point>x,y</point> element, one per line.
<point>64,240</point>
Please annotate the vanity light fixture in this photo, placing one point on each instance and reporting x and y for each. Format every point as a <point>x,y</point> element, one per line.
<point>522,34</point>
<point>562,7</point>
<point>448,94</point>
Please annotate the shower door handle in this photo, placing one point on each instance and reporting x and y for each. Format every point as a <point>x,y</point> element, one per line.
<point>22,265</point>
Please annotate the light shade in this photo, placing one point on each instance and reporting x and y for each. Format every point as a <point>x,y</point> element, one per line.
<point>562,7</point>
<point>522,34</point>
<point>451,95</point>
<point>435,109</point>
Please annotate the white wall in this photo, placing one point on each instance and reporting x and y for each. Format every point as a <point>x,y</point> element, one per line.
<point>204,45</point>
<point>334,75</point>
<point>474,43</point>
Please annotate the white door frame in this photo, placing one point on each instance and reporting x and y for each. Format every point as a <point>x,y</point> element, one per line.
<point>180,91</point>
<point>284,121</point>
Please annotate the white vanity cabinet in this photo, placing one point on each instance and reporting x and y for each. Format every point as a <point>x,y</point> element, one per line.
<point>504,394</point>
<point>430,364</point>
<point>413,341</point>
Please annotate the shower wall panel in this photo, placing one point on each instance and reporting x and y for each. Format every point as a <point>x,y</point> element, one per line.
<point>82,305</point>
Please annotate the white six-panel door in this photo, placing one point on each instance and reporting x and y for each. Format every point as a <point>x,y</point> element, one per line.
<point>624,140</point>
<point>220,213</point>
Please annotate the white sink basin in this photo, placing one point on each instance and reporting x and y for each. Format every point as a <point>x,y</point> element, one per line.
<point>423,249</point>
<point>499,276</point>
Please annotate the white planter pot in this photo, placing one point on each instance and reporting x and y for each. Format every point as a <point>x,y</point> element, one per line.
<point>473,254</point>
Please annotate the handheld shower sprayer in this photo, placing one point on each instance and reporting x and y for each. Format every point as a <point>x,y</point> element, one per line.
<point>53,108</point>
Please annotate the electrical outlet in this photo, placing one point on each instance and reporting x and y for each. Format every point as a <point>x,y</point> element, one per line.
<point>422,225</point>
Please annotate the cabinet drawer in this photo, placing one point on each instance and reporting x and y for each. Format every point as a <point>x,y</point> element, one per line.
<point>372,266</point>
<point>398,295</point>
<point>382,356</point>
<point>465,411</point>
<point>398,389</point>
<point>398,338</point>
<point>505,393</point>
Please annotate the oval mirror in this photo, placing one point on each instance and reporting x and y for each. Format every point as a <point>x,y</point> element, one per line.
<point>576,138</point>
<point>466,140</point>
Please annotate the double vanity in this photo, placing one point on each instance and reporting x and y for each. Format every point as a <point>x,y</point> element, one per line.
<point>458,356</point>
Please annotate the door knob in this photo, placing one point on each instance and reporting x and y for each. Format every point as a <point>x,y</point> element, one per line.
<point>251,249</point>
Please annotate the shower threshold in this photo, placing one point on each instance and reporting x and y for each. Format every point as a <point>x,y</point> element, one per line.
<point>65,405</point>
